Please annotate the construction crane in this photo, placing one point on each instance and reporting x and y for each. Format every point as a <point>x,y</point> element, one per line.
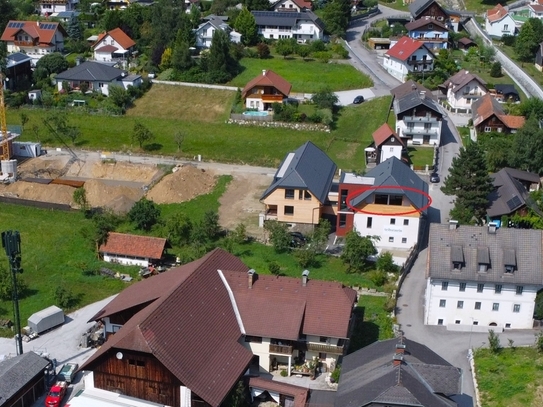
<point>4,143</point>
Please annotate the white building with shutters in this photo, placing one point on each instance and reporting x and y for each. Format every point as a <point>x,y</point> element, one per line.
<point>484,277</point>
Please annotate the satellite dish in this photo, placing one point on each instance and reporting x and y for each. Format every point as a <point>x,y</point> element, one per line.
<point>119,355</point>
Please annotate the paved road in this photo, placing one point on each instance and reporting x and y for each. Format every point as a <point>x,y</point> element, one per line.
<point>452,346</point>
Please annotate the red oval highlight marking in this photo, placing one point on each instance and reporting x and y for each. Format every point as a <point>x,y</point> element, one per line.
<point>351,195</point>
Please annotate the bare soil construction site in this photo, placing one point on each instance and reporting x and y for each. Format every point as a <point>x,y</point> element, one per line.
<point>117,185</point>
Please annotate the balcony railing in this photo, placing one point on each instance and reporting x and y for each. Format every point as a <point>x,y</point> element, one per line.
<point>420,119</point>
<point>317,347</point>
<point>266,97</point>
<point>419,61</point>
<point>282,349</point>
<point>24,43</point>
<point>419,130</point>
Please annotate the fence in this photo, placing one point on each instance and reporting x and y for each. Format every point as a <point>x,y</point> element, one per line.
<point>406,268</point>
<point>35,204</point>
<point>237,116</point>
<point>368,13</point>
<point>521,78</point>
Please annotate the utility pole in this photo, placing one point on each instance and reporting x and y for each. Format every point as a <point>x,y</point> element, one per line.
<point>11,242</point>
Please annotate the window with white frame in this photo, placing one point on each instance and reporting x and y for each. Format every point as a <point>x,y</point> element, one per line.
<point>516,307</point>
<point>460,304</point>
<point>519,289</point>
<point>496,306</point>
<point>442,303</point>
<point>444,285</point>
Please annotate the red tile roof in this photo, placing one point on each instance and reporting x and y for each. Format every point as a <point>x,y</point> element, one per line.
<point>268,78</point>
<point>513,122</point>
<point>299,393</point>
<point>404,48</point>
<point>321,308</point>
<point>134,245</point>
<point>497,13</point>
<point>34,29</point>
<point>118,35</point>
<point>304,4</point>
<point>191,329</point>
<point>383,133</point>
<point>487,105</point>
<point>106,48</point>
<point>538,8</point>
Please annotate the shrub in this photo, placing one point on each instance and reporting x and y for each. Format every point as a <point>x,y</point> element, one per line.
<point>323,56</point>
<point>335,374</point>
<point>379,278</point>
<point>496,70</point>
<point>494,341</point>
<point>284,373</point>
<point>274,268</point>
<point>262,50</point>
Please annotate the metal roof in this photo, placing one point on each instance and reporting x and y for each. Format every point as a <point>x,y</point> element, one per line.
<point>414,99</point>
<point>16,372</point>
<point>393,172</point>
<point>508,194</point>
<point>90,71</point>
<point>308,168</point>
<point>526,244</point>
<point>277,18</point>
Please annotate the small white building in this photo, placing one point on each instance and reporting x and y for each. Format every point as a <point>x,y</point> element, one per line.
<point>132,250</point>
<point>303,26</point>
<point>482,277</point>
<point>498,22</point>
<point>204,32</point>
<point>408,55</point>
<point>112,46</point>
<point>48,7</point>
<point>462,89</point>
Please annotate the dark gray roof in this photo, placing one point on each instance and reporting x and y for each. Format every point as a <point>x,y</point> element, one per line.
<point>413,99</point>
<point>520,175</point>
<point>408,87</point>
<point>213,16</point>
<point>418,6</point>
<point>16,59</point>
<point>68,14</point>
<point>321,398</point>
<point>306,168</point>
<point>507,196</point>
<point>16,372</point>
<point>394,173</point>
<point>506,89</point>
<point>422,379</point>
<point>285,18</point>
<point>91,71</point>
<point>422,22</point>
<point>526,244</point>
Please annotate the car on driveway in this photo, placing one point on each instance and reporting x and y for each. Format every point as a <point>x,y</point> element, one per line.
<point>434,178</point>
<point>359,99</point>
<point>297,239</point>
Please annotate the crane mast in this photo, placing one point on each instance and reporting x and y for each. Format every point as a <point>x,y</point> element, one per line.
<point>4,143</point>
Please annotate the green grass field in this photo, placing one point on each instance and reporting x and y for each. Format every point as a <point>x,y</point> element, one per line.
<point>305,76</point>
<point>511,378</point>
<point>529,68</point>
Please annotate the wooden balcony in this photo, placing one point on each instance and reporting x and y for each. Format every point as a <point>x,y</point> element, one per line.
<point>24,43</point>
<point>269,98</point>
<point>321,348</point>
<point>281,349</point>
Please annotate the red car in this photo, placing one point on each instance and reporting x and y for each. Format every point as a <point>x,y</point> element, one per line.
<point>56,394</point>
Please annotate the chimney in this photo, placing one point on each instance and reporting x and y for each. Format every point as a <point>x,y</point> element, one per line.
<point>305,275</point>
<point>453,224</point>
<point>400,349</point>
<point>264,72</point>
<point>397,360</point>
<point>38,23</point>
<point>251,274</point>
<point>492,228</point>
<point>422,94</point>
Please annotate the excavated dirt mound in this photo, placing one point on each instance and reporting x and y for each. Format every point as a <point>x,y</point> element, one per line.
<point>183,185</point>
<point>101,194</point>
<point>42,167</point>
<point>61,194</point>
<point>117,170</point>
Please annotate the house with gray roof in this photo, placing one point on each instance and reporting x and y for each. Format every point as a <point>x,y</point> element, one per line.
<point>482,276</point>
<point>204,32</point>
<point>390,202</point>
<point>418,118</point>
<point>22,379</point>
<point>300,189</point>
<point>97,77</point>
<point>304,26</point>
<point>462,89</point>
<point>510,194</point>
<point>397,372</point>
<point>428,9</point>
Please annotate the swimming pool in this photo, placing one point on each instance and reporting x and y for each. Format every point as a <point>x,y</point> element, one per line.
<point>255,113</point>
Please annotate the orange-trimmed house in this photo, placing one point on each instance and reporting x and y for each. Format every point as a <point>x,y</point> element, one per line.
<point>112,45</point>
<point>488,116</point>
<point>132,250</point>
<point>386,144</point>
<point>389,202</point>
<point>264,90</point>
<point>34,38</point>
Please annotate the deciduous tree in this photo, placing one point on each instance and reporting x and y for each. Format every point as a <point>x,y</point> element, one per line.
<point>527,150</point>
<point>356,251</point>
<point>141,134</point>
<point>278,235</point>
<point>144,214</point>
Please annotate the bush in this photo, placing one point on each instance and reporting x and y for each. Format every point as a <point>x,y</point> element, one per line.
<point>379,278</point>
<point>274,268</point>
<point>262,50</point>
<point>318,46</point>
<point>323,56</point>
<point>496,70</point>
<point>284,373</point>
<point>335,374</point>
<point>494,341</point>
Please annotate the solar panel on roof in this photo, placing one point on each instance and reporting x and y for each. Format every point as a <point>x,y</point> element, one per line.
<point>20,25</point>
<point>514,203</point>
<point>10,25</point>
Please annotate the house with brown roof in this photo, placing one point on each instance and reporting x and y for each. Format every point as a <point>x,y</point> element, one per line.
<point>113,45</point>
<point>433,33</point>
<point>488,116</point>
<point>466,43</point>
<point>386,144</point>
<point>34,38</point>
<point>428,8</point>
<point>293,5</point>
<point>132,249</point>
<point>462,89</point>
<point>264,90</point>
<point>408,56</point>
<point>186,337</point>
<point>498,22</point>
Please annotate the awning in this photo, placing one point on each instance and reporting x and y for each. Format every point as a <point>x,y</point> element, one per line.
<point>369,149</point>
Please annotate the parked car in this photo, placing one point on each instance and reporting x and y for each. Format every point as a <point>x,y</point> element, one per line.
<point>434,178</point>
<point>297,239</point>
<point>56,394</point>
<point>359,99</point>
<point>67,373</point>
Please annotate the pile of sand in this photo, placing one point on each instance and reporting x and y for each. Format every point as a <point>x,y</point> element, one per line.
<point>117,170</point>
<point>183,185</point>
<point>42,167</point>
<point>102,194</point>
<point>61,194</point>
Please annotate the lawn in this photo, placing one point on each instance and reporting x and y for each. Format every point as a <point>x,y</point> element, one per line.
<point>396,4</point>
<point>372,323</point>
<point>421,156</point>
<point>529,68</point>
<point>215,140</point>
<point>464,135</point>
<point>511,378</point>
<point>305,76</point>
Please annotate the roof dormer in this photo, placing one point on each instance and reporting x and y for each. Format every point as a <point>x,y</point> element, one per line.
<point>457,257</point>
<point>509,260</point>
<point>483,259</point>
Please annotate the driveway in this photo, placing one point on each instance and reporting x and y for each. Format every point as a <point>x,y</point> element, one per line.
<point>452,346</point>
<point>346,97</point>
